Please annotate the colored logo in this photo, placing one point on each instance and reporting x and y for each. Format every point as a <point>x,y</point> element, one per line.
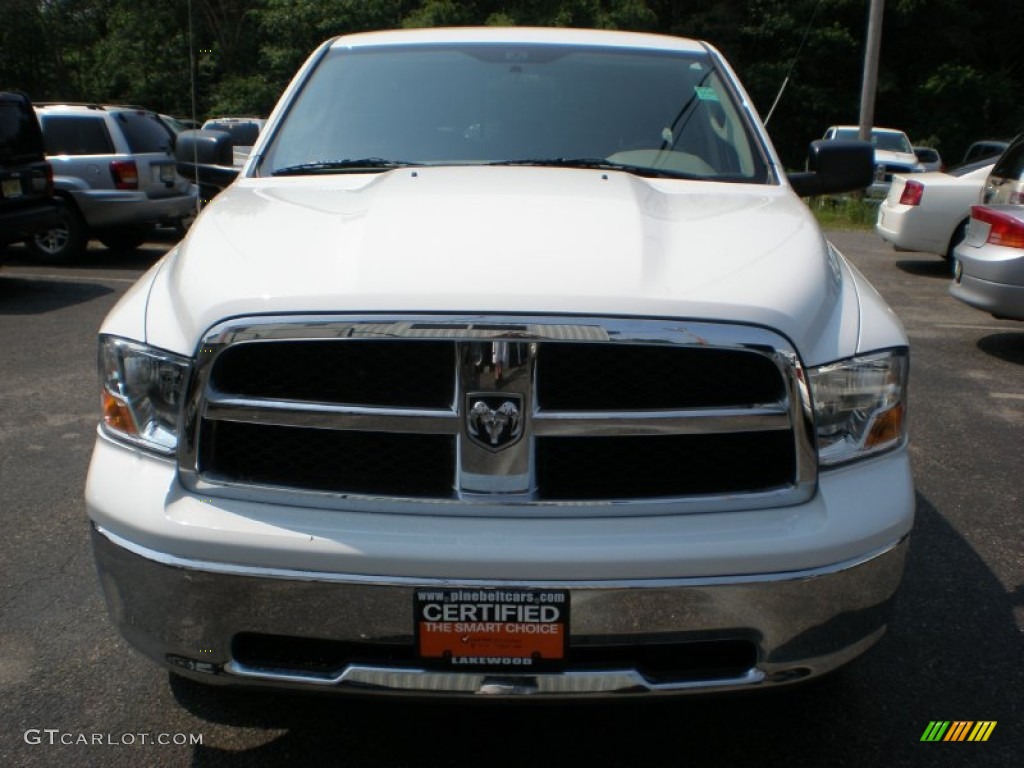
<point>958,730</point>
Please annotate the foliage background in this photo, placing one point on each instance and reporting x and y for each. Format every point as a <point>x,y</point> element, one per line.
<point>950,70</point>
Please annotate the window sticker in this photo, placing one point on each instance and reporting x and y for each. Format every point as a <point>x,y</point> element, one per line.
<point>704,93</point>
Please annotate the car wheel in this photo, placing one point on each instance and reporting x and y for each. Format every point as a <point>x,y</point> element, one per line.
<point>958,237</point>
<point>63,243</point>
<point>124,238</point>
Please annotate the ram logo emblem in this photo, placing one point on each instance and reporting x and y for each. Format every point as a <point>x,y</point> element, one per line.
<point>494,421</point>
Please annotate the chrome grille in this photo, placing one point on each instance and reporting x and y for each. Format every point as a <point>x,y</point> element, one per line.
<point>531,416</point>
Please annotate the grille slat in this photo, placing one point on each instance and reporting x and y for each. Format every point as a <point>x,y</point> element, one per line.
<point>284,413</point>
<point>653,423</point>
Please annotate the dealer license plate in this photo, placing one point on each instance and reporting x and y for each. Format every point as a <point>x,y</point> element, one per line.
<point>12,188</point>
<point>511,629</point>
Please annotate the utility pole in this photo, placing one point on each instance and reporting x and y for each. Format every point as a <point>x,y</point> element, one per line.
<point>870,83</point>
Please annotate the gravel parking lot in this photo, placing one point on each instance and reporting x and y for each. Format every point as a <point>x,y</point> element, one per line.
<point>72,692</point>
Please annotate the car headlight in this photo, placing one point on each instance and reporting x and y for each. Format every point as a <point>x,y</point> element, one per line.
<point>141,392</point>
<point>860,405</point>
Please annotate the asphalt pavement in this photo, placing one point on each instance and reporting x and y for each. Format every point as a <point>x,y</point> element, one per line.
<point>73,693</point>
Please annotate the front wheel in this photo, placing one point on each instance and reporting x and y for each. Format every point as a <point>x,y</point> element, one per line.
<point>65,242</point>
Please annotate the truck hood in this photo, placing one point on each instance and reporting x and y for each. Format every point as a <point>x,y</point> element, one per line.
<point>506,240</point>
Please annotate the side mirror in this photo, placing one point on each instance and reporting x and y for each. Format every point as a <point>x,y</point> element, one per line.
<point>836,165</point>
<point>203,147</point>
<point>206,158</point>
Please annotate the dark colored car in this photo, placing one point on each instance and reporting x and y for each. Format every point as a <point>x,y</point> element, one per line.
<point>27,204</point>
<point>982,150</point>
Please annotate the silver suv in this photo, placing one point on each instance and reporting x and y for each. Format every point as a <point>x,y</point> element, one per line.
<point>115,168</point>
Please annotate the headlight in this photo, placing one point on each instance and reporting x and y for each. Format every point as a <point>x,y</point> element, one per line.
<point>860,406</point>
<point>141,392</point>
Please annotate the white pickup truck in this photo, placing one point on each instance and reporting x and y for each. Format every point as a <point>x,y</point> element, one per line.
<point>511,364</point>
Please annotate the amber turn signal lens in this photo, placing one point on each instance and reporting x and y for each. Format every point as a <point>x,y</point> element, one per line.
<point>887,428</point>
<point>116,414</point>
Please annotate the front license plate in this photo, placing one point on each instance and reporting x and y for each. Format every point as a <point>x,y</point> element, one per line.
<point>512,629</point>
<point>12,188</point>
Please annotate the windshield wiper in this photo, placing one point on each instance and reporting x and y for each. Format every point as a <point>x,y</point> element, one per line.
<point>372,164</point>
<point>601,164</point>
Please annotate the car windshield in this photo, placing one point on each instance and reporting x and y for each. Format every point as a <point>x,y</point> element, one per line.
<point>669,113</point>
<point>144,132</point>
<point>890,141</point>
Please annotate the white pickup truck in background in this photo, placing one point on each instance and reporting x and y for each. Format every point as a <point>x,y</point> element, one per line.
<point>510,364</point>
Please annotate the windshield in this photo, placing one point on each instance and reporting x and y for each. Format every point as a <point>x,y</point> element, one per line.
<point>480,104</point>
<point>144,132</point>
<point>890,141</point>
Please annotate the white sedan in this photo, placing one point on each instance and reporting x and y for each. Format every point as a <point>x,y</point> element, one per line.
<point>929,211</point>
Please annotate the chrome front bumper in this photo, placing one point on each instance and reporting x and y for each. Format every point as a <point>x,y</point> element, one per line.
<point>189,616</point>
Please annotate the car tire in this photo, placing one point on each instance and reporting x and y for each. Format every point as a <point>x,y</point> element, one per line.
<point>126,238</point>
<point>958,237</point>
<point>61,244</point>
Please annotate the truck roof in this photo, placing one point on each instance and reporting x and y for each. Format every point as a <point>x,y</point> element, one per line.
<point>506,35</point>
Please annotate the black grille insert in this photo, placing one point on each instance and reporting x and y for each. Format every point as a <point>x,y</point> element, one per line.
<point>578,468</point>
<point>400,373</point>
<point>658,661</point>
<point>307,654</point>
<point>601,377</point>
<point>419,466</point>
<point>668,662</point>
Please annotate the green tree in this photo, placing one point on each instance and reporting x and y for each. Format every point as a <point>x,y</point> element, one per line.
<point>44,45</point>
<point>292,29</point>
<point>143,58</point>
<point>25,56</point>
<point>950,70</point>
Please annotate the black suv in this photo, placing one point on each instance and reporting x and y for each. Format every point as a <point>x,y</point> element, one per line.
<point>27,204</point>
